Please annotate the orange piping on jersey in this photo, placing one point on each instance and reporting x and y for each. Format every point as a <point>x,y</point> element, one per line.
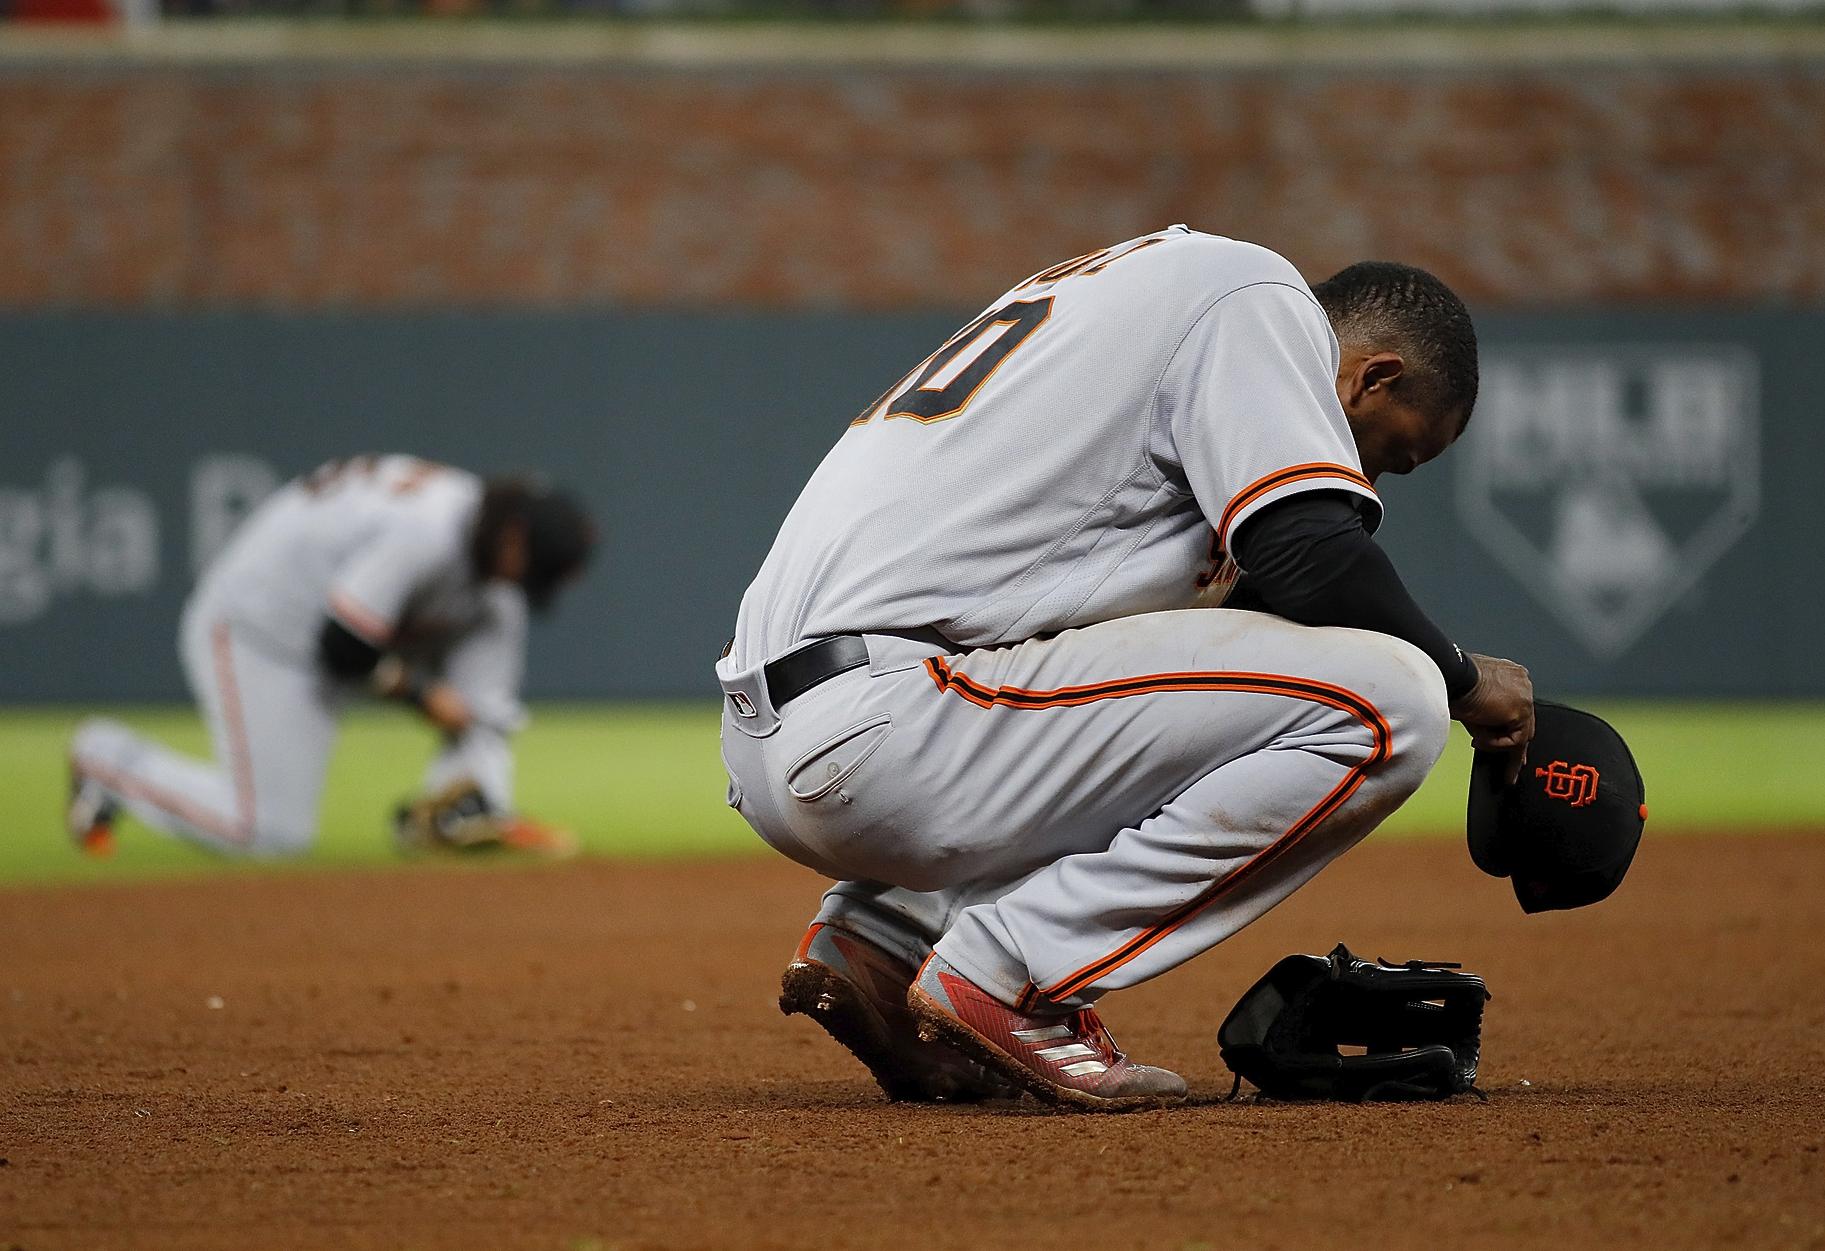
<point>242,762</point>
<point>1279,478</point>
<point>1154,683</point>
<point>369,625</point>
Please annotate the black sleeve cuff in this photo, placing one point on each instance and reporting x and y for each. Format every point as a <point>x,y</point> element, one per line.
<point>347,656</point>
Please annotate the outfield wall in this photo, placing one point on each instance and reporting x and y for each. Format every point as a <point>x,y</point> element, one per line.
<point>1635,509</point>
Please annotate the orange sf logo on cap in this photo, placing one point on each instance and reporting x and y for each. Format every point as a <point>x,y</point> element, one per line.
<point>1575,784</point>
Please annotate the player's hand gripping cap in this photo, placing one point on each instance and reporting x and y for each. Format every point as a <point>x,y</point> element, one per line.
<point>1567,830</point>
<point>1420,1024</point>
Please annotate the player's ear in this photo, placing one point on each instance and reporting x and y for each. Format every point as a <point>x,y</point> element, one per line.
<point>1365,378</point>
<point>1380,370</point>
<point>512,550</point>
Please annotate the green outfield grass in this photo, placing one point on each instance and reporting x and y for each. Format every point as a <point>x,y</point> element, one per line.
<point>646,780</point>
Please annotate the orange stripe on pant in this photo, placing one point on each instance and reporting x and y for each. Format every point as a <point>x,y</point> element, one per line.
<point>1157,683</point>
<point>176,805</point>
<point>241,763</point>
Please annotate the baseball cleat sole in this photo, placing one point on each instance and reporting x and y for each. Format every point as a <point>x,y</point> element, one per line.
<point>843,1011</point>
<point>856,992</point>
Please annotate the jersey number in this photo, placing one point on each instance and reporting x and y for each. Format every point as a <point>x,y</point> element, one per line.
<point>949,379</point>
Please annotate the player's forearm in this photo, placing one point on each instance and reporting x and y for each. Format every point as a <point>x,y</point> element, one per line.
<point>441,703</point>
<point>445,708</point>
<point>1308,559</point>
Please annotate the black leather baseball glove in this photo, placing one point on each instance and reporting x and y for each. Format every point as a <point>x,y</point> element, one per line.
<point>1418,1027</point>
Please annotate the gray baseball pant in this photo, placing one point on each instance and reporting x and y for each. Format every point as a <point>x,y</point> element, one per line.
<point>273,722</point>
<point>1075,814</point>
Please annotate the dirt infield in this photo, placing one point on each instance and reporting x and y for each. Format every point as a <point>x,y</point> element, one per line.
<point>589,1058</point>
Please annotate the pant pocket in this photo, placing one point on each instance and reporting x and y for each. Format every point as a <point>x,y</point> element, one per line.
<point>834,761</point>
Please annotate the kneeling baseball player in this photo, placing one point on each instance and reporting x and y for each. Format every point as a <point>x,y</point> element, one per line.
<point>388,574</point>
<point>981,679</point>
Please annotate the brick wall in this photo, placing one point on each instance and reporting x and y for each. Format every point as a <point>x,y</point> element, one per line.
<point>298,186</point>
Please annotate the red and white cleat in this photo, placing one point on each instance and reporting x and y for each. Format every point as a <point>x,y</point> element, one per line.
<point>1069,1060</point>
<point>857,992</point>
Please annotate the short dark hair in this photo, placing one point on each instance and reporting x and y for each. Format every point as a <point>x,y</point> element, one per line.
<point>1393,307</point>
<point>559,533</point>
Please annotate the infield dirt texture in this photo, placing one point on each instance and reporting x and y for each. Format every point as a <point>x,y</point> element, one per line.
<point>588,1057</point>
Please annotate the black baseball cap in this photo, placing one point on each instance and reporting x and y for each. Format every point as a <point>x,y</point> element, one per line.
<point>1566,830</point>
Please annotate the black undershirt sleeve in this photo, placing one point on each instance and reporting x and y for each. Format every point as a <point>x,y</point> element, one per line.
<point>1307,558</point>
<point>347,656</point>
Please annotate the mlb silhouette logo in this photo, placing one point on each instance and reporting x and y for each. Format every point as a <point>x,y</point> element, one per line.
<point>744,707</point>
<point>1609,479</point>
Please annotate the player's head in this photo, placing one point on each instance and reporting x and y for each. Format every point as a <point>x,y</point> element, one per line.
<point>1408,374</point>
<point>529,533</point>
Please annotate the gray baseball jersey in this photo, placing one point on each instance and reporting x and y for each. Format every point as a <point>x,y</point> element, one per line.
<point>1064,770</point>
<point>381,541</point>
<point>1076,454</point>
<point>382,544</point>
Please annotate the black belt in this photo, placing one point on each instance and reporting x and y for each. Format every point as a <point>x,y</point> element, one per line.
<point>798,671</point>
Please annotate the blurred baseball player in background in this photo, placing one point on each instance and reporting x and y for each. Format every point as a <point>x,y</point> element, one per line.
<point>979,680</point>
<point>391,574</point>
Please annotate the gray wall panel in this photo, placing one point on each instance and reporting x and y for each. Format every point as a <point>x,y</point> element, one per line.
<point>690,433</point>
